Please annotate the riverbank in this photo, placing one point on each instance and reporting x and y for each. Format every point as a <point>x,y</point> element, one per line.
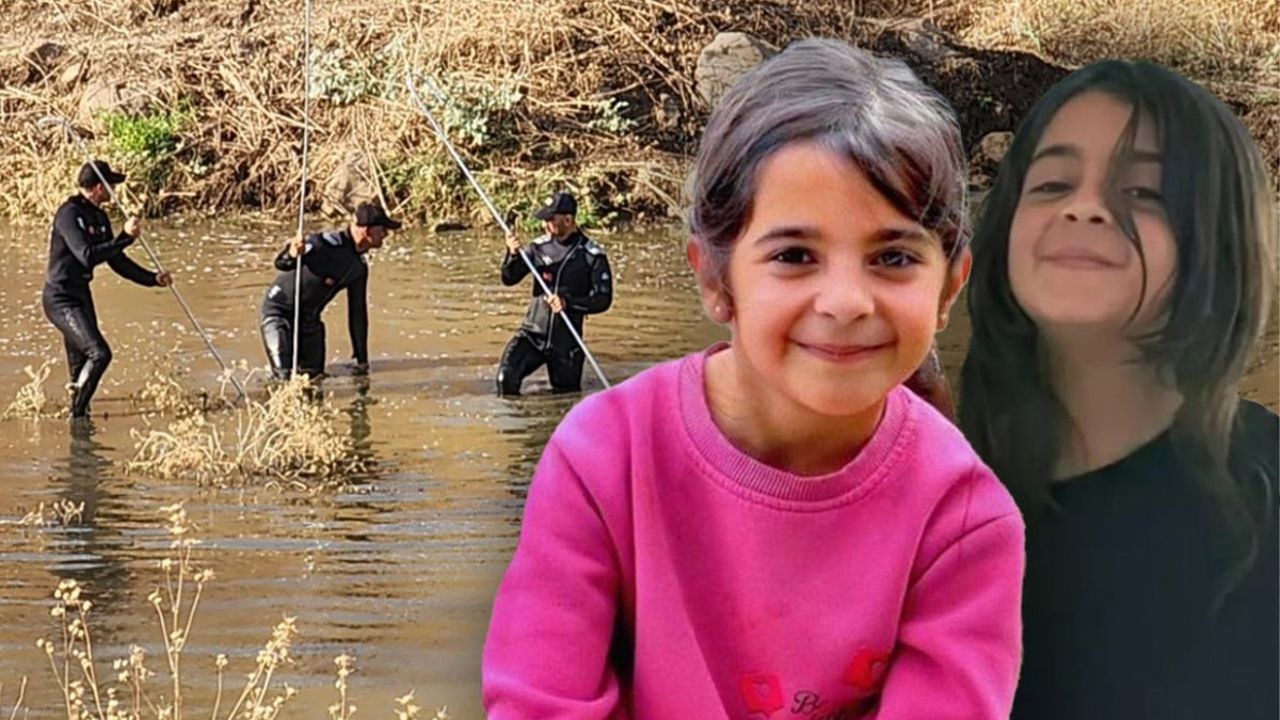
<point>204,103</point>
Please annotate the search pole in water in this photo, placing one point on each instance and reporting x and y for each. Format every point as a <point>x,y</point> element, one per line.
<point>302,188</point>
<point>444,137</point>
<point>151,253</point>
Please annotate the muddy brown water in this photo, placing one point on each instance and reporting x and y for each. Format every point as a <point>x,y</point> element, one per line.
<point>399,572</point>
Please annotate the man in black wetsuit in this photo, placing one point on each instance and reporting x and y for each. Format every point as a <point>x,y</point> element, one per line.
<point>576,270</point>
<point>331,261</point>
<point>81,240</point>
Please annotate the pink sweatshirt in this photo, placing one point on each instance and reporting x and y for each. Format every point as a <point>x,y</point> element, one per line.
<point>663,574</point>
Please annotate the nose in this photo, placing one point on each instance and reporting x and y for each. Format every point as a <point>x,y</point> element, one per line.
<point>1088,206</point>
<point>843,297</point>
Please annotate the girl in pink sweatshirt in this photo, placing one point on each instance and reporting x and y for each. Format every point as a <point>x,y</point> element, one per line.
<point>775,527</point>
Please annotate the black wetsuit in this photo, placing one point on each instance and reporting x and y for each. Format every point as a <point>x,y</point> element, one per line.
<point>330,264</point>
<point>577,270</point>
<point>82,239</point>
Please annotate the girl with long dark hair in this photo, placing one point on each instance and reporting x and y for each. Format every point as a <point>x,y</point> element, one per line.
<point>1123,267</point>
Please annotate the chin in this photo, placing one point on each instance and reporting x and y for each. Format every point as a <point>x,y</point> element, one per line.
<point>1080,317</point>
<point>836,400</point>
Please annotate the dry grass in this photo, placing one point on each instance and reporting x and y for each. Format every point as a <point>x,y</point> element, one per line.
<point>240,73</point>
<point>31,402</point>
<point>61,513</point>
<point>291,439</point>
<point>130,691</point>
<point>1231,45</point>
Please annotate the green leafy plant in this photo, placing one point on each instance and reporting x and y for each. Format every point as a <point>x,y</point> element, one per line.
<point>150,141</point>
<point>470,107</point>
<point>339,78</point>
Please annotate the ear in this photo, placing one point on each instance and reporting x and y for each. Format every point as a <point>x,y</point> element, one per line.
<point>716,300</point>
<point>957,276</point>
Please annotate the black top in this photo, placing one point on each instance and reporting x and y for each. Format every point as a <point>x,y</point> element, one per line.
<point>576,269</point>
<point>80,240</point>
<point>1121,580</point>
<point>330,263</point>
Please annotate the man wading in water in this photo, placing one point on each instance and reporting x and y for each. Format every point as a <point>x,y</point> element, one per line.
<point>576,270</point>
<point>331,261</point>
<point>81,240</point>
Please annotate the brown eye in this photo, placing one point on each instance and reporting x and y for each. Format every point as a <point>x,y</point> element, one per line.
<point>792,256</point>
<point>1144,194</point>
<point>1051,187</point>
<point>896,259</point>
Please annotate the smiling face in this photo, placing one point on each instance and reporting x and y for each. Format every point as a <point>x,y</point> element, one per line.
<point>835,295</point>
<point>1071,265</point>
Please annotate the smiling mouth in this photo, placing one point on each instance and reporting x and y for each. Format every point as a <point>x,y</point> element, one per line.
<point>1081,261</point>
<point>841,353</point>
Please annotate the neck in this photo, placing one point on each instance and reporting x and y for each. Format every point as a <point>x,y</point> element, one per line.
<point>1115,403</point>
<point>359,245</point>
<point>89,197</point>
<point>777,431</point>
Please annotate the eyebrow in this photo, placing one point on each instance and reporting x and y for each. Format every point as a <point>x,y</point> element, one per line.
<point>1071,151</point>
<point>805,232</point>
<point>1058,150</point>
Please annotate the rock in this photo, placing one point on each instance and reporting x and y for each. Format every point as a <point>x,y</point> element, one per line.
<point>350,184</point>
<point>993,147</point>
<point>726,59</point>
<point>110,96</point>
<point>986,159</point>
<point>451,225</point>
<point>666,112</point>
<point>42,58</point>
<point>70,75</point>
<point>927,41</point>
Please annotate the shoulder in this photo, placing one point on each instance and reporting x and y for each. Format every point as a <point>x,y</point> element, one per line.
<point>942,476</point>
<point>70,207</point>
<point>1255,423</point>
<point>610,421</point>
<point>593,248</point>
<point>1254,443</point>
<point>328,238</point>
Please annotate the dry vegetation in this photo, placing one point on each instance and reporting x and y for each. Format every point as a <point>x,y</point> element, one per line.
<point>30,402</point>
<point>292,438</point>
<point>596,95</point>
<point>130,690</point>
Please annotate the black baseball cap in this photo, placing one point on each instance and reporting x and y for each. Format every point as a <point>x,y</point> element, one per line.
<point>562,203</point>
<point>372,215</point>
<point>88,178</point>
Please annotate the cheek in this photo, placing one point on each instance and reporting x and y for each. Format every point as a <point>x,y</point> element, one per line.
<point>764,307</point>
<point>1023,232</point>
<point>912,309</point>
<point>1160,250</point>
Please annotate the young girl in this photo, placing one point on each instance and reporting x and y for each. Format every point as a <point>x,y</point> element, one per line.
<point>776,527</point>
<point>1122,276</point>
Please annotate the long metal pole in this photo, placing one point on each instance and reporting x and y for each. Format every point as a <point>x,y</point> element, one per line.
<point>444,137</point>
<point>302,189</point>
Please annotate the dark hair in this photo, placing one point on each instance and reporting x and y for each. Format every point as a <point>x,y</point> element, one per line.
<point>875,111</point>
<point>1218,204</point>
